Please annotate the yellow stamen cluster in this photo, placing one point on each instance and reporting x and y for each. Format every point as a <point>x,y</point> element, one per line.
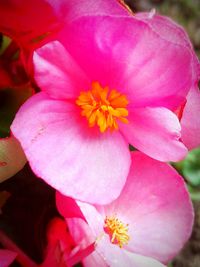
<point>117,230</point>
<point>103,108</point>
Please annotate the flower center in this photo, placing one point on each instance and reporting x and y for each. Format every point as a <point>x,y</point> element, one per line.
<point>103,108</point>
<point>117,230</point>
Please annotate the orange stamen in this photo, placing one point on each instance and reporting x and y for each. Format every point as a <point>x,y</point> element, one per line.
<point>103,108</point>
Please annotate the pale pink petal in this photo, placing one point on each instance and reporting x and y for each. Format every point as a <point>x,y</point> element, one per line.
<point>160,217</point>
<point>137,62</point>
<point>57,73</point>
<point>12,157</point>
<point>116,256</point>
<point>95,259</point>
<point>156,132</point>
<point>77,161</point>
<point>105,253</point>
<point>190,121</point>
<point>6,257</point>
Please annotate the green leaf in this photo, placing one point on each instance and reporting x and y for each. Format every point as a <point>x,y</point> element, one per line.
<point>5,43</point>
<point>191,167</point>
<point>10,101</point>
<point>12,158</point>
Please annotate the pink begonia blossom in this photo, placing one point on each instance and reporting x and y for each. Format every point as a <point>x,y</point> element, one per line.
<point>6,257</point>
<point>110,81</point>
<point>151,219</point>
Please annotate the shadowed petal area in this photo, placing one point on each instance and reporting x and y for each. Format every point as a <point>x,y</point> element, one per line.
<point>147,68</point>
<point>6,257</point>
<point>75,160</point>
<point>190,121</point>
<point>156,132</point>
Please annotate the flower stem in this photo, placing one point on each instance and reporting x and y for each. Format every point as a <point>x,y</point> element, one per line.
<point>22,258</point>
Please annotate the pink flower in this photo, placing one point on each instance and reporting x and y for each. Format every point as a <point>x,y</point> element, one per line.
<point>151,219</point>
<point>110,81</point>
<point>6,257</point>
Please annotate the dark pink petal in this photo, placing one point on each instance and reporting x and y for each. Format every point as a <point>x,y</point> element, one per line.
<point>156,132</point>
<point>57,73</point>
<point>161,215</point>
<point>59,244</point>
<point>6,257</point>
<point>25,21</point>
<point>190,121</point>
<point>68,207</point>
<point>149,69</point>
<point>75,160</point>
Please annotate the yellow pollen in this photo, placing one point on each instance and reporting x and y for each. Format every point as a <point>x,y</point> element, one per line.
<point>103,108</point>
<point>117,230</point>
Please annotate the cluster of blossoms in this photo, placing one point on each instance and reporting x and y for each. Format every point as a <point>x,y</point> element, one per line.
<point>107,79</point>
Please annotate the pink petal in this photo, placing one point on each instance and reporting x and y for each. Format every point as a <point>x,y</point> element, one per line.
<point>161,215</point>
<point>72,10</point>
<point>6,257</point>
<point>172,32</point>
<point>72,158</point>
<point>12,157</point>
<point>57,73</point>
<point>156,132</point>
<point>116,257</point>
<point>139,60</point>
<point>190,121</point>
